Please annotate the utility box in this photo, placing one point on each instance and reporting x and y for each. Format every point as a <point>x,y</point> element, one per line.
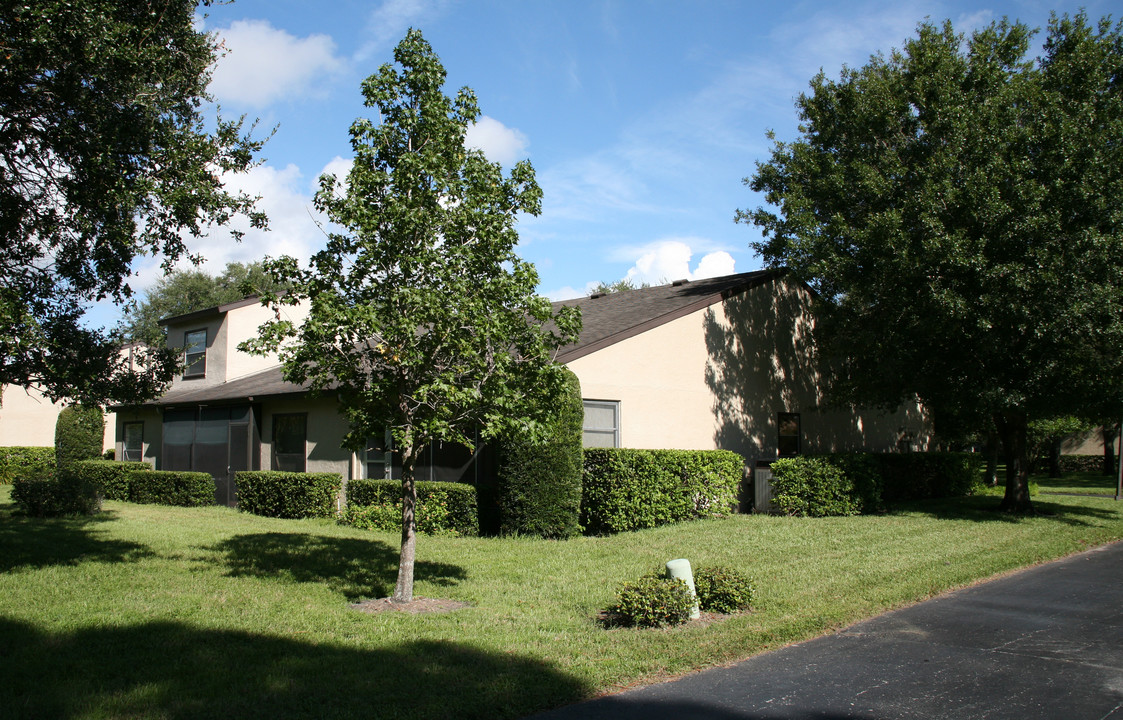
<point>762,486</point>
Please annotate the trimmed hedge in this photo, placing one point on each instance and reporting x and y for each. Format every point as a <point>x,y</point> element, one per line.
<point>1082,463</point>
<point>929,475</point>
<point>459,498</point>
<point>79,433</point>
<point>109,477</point>
<point>19,461</point>
<point>626,489</point>
<point>539,483</point>
<point>50,495</point>
<point>288,494</point>
<point>164,487</point>
<point>812,487</point>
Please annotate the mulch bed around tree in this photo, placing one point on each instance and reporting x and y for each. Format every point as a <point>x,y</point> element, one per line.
<point>416,606</point>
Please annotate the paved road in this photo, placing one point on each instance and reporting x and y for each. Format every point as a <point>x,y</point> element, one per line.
<point>1043,643</point>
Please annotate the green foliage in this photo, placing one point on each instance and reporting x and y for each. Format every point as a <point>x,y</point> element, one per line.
<point>422,318</point>
<point>433,515</point>
<point>79,434</point>
<point>111,478</point>
<point>958,190</point>
<point>653,601</point>
<point>51,494</point>
<point>923,476</point>
<point>723,590</point>
<point>1081,463</point>
<point>183,291</point>
<point>288,494</point>
<point>623,285</point>
<point>165,487</point>
<point>106,159</point>
<point>539,480</point>
<point>865,474</point>
<point>812,487</point>
<point>18,461</point>
<point>626,489</point>
<point>459,499</point>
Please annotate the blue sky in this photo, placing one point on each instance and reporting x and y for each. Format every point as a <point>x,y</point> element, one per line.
<point>640,118</point>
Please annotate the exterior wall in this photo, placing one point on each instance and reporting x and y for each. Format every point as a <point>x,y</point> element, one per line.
<point>717,379</point>
<point>153,434</point>
<point>326,428</point>
<point>27,418</point>
<point>217,341</point>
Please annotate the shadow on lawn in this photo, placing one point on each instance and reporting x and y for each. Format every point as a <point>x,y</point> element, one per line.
<point>354,567</point>
<point>27,542</point>
<point>985,509</point>
<point>173,671</point>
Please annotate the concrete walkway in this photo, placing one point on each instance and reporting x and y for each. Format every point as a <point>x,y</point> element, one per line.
<point>1042,643</point>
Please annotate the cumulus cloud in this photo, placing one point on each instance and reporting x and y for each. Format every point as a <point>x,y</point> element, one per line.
<point>263,64</point>
<point>498,142</point>
<point>668,260</point>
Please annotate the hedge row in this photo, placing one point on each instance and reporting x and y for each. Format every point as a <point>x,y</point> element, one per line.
<point>626,489</point>
<point>109,477</point>
<point>16,461</point>
<point>48,496</point>
<point>288,494</point>
<point>849,483</point>
<point>164,487</point>
<point>1082,463</point>
<point>459,499</point>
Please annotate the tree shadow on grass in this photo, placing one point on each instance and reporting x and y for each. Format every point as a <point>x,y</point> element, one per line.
<point>356,568</point>
<point>985,509</point>
<point>174,671</point>
<point>27,542</point>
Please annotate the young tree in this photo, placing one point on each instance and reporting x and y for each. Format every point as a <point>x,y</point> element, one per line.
<point>957,208</point>
<point>103,157</point>
<point>422,318</point>
<point>184,291</point>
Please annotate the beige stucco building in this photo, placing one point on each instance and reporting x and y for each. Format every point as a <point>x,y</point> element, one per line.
<point>717,363</point>
<point>27,419</point>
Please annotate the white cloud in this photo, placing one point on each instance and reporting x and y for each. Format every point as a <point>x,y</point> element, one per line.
<point>668,260</point>
<point>264,64</point>
<point>390,20</point>
<point>498,142</point>
<point>569,293</point>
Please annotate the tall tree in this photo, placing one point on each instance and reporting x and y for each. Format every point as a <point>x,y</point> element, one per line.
<point>184,291</point>
<point>104,156</point>
<point>422,318</point>
<point>958,208</point>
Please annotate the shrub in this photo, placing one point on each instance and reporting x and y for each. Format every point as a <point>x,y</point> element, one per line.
<point>539,483</point>
<point>921,476</point>
<point>48,495</point>
<point>288,494</point>
<point>625,489</point>
<point>163,487</point>
<point>109,477</point>
<point>79,433</point>
<point>1082,463</point>
<point>432,514</point>
<point>811,487</point>
<point>21,461</point>
<point>864,472</point>
<point>723,590</point>
<point>459,498</point>
<point>653,601</point>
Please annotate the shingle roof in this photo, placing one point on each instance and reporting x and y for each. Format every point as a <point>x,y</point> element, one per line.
<point>606,320</point>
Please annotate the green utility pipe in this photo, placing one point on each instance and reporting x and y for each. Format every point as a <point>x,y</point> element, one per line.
<point>681,569</point>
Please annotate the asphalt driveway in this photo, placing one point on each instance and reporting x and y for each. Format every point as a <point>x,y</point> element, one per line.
<point>1042,643</point>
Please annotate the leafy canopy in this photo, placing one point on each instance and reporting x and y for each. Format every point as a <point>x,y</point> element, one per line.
<point>104,156</point>
<point>958,208</point>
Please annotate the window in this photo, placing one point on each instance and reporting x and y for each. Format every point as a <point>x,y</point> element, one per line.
<point>195,353</point>
<point>290,431</point>
<point>788,425</point>
<point>132,449</point>
<point>602,423</point>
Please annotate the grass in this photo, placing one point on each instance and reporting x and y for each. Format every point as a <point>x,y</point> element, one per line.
<point>159,612</point>
<point>1080,483</point>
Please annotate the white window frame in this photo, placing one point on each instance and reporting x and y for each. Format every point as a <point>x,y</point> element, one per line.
<point>194,359</point>
<point>613,405</point>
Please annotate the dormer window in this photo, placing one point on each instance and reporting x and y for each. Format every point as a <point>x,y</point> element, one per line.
<point>195,353</point>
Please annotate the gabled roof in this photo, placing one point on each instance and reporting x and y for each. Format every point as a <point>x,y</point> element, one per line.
<point>609,318</point>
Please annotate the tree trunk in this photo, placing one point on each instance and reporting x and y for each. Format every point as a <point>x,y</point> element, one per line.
<point>1012,427</point>
<point>992,458</point>
<point>1109,433</point>
<point>403,591</point>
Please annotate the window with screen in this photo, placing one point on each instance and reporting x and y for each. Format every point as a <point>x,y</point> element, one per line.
<point>788,425</point>
<point>195,353</point>
<point>602,423</point>
<point>132,449</point>
<point>290,433</point>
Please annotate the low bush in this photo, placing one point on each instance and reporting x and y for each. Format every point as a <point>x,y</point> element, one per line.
<point>288,494</point>
<point>652,601</point>
<point>432,514</point>
<point>1082,463</point>
<point>625,489</point>
<point>812,487</point>
<point>164,487</point>
<point>722,590</point>
<point>864,472</point>
<point>51,494</point>
<point>459,499</point>
<point>109,477</point>
<point>16,461</point>
<point>929,475</point>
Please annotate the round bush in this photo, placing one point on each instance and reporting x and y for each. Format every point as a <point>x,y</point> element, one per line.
<point>723,590</point>
<point>653,602</point>
<point>79,433</point>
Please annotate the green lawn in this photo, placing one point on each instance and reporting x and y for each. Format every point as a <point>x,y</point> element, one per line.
<point>156,612</point>
<point>1081,483</point>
